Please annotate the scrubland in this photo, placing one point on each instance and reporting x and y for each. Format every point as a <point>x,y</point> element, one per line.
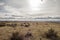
<point>23,30</point>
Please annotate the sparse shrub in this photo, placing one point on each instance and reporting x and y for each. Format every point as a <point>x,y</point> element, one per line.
<point>16,36</point>
<point>12,25</point>
<point>25,24</point>
<point>2,24</point>
<point>28,36</point>
<point>51,34</point>
<point>21,25</point>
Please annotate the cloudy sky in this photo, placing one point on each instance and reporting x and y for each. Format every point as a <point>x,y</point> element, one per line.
<point>29,8</point>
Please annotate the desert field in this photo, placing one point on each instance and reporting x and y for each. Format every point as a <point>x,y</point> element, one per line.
<point>23,30</point>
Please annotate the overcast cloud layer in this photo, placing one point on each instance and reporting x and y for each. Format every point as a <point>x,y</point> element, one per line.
<point>22,8</point>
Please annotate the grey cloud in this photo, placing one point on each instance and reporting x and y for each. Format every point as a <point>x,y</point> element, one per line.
<point>2,9</point>
<point>16,3</point>
<point>49,6</point>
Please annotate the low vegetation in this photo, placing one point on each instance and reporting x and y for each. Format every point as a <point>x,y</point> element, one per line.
<point>2,24</point>
<point>29,31</point>
<point>12,25</point>
<point>16,36</point>
<point>51,34</point>
<point>25,24</point>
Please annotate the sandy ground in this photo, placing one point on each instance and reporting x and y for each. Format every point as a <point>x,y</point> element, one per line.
<point>35,28</point>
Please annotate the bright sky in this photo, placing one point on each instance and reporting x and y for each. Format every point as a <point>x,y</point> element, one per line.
<point>30,7</point>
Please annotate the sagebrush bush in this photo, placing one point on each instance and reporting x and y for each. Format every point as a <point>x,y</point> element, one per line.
<point>29,35</point>
<point>51,34</point>
<point>16,36</point>
<point>25,24</point>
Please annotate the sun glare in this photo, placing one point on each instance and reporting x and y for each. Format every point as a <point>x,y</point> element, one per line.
<point>35,4</point>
